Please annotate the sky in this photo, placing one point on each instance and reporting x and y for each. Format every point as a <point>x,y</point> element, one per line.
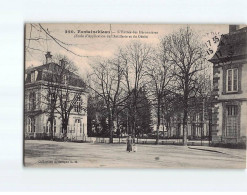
<point>81,40</point>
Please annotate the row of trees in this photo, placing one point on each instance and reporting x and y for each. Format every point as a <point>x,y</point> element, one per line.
<point>123,121</point>
<point>138,84</point>
<point>141,78</point>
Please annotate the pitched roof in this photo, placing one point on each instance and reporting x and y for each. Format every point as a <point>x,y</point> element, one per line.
<point>232,46</point>
<point>43,72</point>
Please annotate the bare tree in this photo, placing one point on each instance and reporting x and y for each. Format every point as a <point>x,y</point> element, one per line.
<point>50,96</point>
<point>63,88</point>
<point>185,52</point>
<point>204,82</point>
<point>171,105</point>
<point>70,90</point>
<point>136,58</point>
<point>159,75</point>
<point>106,82</point>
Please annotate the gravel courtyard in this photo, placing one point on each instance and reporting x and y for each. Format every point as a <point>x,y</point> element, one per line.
<point>41,153</point>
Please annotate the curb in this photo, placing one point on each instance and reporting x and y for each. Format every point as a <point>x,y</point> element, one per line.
<point>207,150</point>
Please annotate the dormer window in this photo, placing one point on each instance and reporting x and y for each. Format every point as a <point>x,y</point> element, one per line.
<point>32,76</point>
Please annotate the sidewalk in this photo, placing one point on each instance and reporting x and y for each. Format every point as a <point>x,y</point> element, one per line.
<point>240,153</point>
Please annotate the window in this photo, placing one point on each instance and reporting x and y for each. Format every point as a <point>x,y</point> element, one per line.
<point>32,76</point>
<point>78,105</point>
<point>64,79</point>
<point>52,99</point>
<point>31,125</point>
<point>77,125</point>
<point>232,110</point>
<point>29,122</point>
<point>200,116</point>
<point>232,80</point>
<point>194,117</point>
<point>32,101</point>
<point>65,94</point>
<point>48,127</point>
<point>232,121</point>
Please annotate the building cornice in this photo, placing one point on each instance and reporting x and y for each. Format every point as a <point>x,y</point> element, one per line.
<point>46,84</point>
<point>232,99</point>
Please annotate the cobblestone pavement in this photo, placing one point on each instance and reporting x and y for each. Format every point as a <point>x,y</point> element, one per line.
<point>68,154</point>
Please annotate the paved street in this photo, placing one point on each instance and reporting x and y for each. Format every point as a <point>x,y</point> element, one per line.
<point>68,154</point>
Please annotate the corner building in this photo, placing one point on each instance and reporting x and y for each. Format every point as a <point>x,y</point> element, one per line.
<point>36,116</point>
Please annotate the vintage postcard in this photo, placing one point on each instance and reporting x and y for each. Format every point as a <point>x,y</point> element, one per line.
<point>135,95</point>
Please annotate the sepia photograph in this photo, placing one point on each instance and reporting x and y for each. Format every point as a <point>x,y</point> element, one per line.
<point>135,95</point>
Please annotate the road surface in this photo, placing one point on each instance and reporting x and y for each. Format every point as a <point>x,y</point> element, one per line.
<point>41,153</point>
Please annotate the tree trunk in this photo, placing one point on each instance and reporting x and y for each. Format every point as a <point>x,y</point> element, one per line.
<point>158,123</point>
<point>118,130</point>
<point>134,123</point>
<point>185,134</point>
<point>185,125</point>
<point>127,123</point>
<point>51,122</point>
<point>110,121</point>
<point>51,119</point>
<point>64,127</point>
<point>169,129</point>
<point>163,131</point>
<point>185,117</point>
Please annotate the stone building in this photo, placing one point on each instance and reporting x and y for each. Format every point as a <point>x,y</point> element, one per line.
<point>230,87</point>
<point>199,120</point>
<point>43,122</point>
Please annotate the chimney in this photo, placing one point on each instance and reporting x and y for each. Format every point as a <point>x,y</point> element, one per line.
<point>48,57</point>
<point>61,62</point>
<point>233,28</point>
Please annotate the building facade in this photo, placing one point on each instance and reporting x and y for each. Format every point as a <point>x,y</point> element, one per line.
<point>230,87</point>
<point>199,120</point>
<point>44,97</point>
